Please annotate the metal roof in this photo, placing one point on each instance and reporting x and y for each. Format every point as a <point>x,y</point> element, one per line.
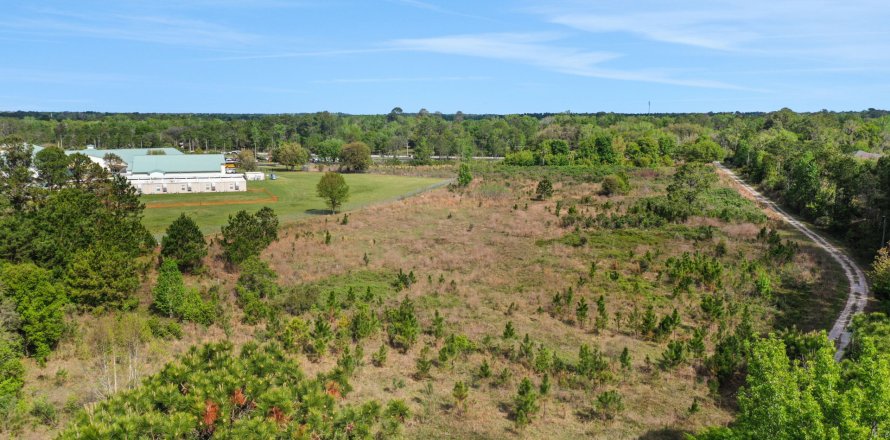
<point>182,163</point>
<point>126,154</point>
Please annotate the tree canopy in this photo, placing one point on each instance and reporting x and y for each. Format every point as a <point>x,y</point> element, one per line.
<point>333,189</point>
<point>355,157</point>
<point>184,243</point>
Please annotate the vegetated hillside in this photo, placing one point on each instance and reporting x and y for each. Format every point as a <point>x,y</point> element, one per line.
<point>610,305</point>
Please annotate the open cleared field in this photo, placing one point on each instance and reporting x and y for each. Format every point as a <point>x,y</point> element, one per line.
<point>292,196</point>
<point>483,257</point>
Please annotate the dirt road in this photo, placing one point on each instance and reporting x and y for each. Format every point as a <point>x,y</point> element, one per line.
<point>858,295</point>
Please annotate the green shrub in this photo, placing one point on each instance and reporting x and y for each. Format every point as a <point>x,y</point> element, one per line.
<point>615,185</point>
<point>379,356</point>
<point>174,300</point>
<point>464,176</point>
<point>12,372</point>
<point>525,404</point>
<point>609,404</point>
<point>39,305</point>
<point>246,235</point>
<point>44,412</point>
<point>544,189</point>
<point>164,329</point>
<point>402,326</point>
<point>257,393</point>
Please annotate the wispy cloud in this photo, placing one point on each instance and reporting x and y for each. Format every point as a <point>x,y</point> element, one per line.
<point>400,79</point>
<point>301,54</point>
<point>142,28</point>
<point>530,48</point>
<point>537,49</point>
<point>438,9</point>
<point>49,76</point>
<point>694,28</point>
<point>824,30</point>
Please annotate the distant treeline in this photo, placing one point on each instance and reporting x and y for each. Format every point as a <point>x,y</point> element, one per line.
<point>805,159</point>
<point>451,134</point>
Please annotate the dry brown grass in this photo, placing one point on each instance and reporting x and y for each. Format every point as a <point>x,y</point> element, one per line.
<point>496,256</point>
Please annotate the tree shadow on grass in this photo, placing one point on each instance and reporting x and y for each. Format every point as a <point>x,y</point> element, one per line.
<point>663,434</point>
<point>318,211</point>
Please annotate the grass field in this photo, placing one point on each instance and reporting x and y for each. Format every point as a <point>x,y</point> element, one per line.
<point>482,257</point>
<point>292,196</point>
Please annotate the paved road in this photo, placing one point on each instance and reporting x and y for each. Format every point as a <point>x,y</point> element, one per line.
<point>858,296</point>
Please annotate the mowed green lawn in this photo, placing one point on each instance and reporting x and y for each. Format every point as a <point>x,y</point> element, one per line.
<point>296,198</point>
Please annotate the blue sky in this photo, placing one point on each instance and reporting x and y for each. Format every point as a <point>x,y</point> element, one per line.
<point>483,56</point>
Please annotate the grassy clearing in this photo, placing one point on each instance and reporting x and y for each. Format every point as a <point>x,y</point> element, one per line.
<point>491,255</point>
<point>296,198</point>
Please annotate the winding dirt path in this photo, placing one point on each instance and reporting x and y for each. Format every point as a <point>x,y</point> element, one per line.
<point>858,296</point>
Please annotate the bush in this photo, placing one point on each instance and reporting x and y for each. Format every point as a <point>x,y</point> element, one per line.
<point>164,329</point>
<point>544,189</point>
<point>184,242</point>
<point>256,284</point>
<point>174,300</point>
<point>464,176</point>
<point>614,185</point>
<point>523,158</point>
<point>12,372</point>
<point>609,404</point>
<point>39,306</point>
<point>880,274</point>
<point>402,326</point>
<point>44,412</point>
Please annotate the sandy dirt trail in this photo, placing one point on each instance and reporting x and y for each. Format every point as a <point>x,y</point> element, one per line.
<point>858,295</point>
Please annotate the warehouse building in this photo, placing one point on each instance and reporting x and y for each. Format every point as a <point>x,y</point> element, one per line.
<point>168,171</point>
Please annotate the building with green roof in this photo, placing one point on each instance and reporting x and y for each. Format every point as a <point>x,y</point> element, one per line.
<point>168,170</point>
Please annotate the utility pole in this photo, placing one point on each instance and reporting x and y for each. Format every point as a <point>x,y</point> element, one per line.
<point>650,108</point>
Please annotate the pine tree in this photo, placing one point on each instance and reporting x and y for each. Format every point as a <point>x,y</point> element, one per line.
<point>184,243</point>
<point>509,331</point>
<point>424,364</point>
<point>485,370</point>
<point>460,393</point>
<point>625,359</point>
<point>581,312</point>
<point>602,318</point>
<point>169,291</point>
<point>438,328</point>
<point>525,404</point>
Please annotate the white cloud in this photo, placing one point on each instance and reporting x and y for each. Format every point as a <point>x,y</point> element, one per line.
<point>524,48</point>
<point>815,30</point>
<point>437,9</point>
<point>537,49</point>
<point>143,28</point>
<point>400,79</point>
<point>708,30</point>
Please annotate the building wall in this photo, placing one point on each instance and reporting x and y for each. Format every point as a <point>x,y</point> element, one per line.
<point>173,185</point>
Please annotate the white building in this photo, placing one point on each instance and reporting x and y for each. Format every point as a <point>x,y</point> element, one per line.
<point>168,171</point>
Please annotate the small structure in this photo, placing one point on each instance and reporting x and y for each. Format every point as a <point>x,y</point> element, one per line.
<point>255,175</point>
